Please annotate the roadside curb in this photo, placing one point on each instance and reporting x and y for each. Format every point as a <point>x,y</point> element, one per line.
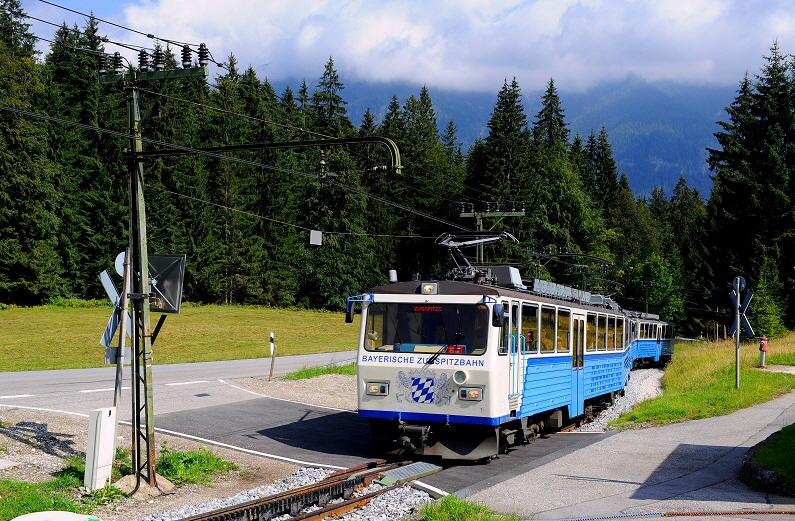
<point>752,473</point>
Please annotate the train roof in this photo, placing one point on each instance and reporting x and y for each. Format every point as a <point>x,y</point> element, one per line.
<point>457,287</point>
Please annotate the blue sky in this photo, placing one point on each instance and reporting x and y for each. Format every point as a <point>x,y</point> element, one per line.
<point>467,45</point>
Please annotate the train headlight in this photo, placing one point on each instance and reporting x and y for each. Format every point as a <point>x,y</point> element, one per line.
<point>474,394</point>
<point>460,377</point>
<point>428,288</point>
<point>377,388</point>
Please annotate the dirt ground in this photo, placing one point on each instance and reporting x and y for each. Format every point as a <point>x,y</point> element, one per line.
<point>38,443</point>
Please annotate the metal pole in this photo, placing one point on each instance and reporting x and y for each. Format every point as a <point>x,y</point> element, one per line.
<point>140,289</point>
<point>737,332</point>
<point>273,357</point>
<point>479,227</point>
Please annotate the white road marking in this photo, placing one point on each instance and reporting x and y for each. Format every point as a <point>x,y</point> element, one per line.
<point>431,488</point>
<point>189,383</point>
<point>42,409</point>
<point>18,396</point>
<point>255,452</point>
<point>233,447</point>
<point>99,390</point>
<point>188,436</point>
<point>285,399</point>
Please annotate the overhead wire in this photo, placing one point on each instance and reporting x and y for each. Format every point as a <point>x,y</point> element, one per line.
<point>126,46</point>
<point>309,132</point>
<point>342,185</point>
<point>220,64</point>
<point>299,129</point>
<point>226,158</point>
<point>148,35</point>
<point>453,182</point>
<point>252,214</point>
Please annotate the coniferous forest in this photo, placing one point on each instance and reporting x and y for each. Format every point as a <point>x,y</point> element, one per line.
<point>244,225</point>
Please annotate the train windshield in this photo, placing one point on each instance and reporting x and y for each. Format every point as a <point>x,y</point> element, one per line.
<point>460,329</point>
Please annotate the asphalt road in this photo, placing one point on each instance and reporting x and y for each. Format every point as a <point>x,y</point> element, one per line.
<point>176,387</point>
<point>195,400</point>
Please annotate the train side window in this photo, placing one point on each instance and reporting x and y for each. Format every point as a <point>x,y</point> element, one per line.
<point>505,335</point>
<point>547,329</point>
<point>601,333</point>
<point>590,333</point>
<point>530,327</point>
<point>620,333</point>
<point>564,330</point>
<point>375,331</point>
<point>610,333</point>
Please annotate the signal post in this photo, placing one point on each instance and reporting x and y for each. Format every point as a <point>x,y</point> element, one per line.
<point>143,446</point>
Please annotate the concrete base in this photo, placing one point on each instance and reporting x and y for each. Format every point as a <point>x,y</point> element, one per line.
<point>127,484</point>
<point>7,464</point>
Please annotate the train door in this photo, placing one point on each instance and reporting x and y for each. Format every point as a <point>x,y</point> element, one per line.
<point>577,364</point>
<point>515,350</point>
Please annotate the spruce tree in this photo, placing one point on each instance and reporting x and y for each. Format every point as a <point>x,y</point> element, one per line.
<point>751,207</point>
<point>507,145</point>
<point>91,214</point>
<point>550,130</point>
<point>30,271</point>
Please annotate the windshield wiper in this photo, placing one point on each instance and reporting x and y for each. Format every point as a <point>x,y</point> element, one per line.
<point>433,357</point>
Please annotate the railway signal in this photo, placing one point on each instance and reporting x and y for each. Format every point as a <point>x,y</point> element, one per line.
<point>739,318</point>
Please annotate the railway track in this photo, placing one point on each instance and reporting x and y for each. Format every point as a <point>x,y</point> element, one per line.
<point>332,496</point>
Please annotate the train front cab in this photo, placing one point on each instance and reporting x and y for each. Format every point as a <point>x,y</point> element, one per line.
<point>426,378</point>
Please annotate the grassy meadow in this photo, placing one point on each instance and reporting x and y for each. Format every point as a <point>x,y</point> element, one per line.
<point>700,382</point>
<point>56,337</point>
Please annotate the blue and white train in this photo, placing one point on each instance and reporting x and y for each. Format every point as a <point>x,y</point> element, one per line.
<point>463,369</point>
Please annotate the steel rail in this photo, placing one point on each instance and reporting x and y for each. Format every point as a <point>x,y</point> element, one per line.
<point>344,507</point>
<point>340,484</point>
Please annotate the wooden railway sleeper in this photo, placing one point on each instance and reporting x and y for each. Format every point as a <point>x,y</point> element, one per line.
<point>342,508</point>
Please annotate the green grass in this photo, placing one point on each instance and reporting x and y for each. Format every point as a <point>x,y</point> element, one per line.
<point>780,359</point>
<point>779,456</point>
<point>700,383</point>
<point>451,508</point>
<point>30,336</point>
<point>311,372</point>
<point>18,498</point>
<point>195,466</point>
<point>179,467</point>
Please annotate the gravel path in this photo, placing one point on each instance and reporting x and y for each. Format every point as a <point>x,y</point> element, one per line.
<point>39,441</point>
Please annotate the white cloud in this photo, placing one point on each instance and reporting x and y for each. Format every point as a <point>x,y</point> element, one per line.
<point>472,44</point>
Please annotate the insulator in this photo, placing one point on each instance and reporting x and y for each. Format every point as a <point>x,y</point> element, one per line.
<point>322,165</point>
<point>118,66</point>
<point>160,59</point>
<point>143,61</point>
<point>186,59</point>
<point>102,63</point>
<point>204,55</point>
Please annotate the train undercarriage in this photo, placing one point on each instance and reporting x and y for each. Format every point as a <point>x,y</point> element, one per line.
<point>474,442</point>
